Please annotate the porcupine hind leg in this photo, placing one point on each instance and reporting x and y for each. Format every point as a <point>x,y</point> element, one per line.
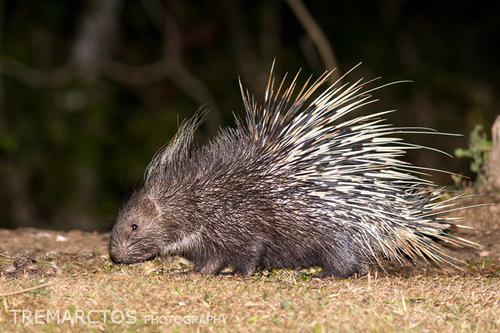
<point>342,262</point>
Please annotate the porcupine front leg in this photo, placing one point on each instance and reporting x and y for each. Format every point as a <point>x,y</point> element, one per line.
<point>245,264</point>
<point>209,265</point>
<point>245,268</point>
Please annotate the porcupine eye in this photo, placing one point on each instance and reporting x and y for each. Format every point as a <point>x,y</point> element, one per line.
<point>134,226</point>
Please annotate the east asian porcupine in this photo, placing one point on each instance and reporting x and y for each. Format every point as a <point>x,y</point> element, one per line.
<point>293,185</point>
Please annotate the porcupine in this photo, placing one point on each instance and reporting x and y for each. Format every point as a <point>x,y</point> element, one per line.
<point>293,185</point>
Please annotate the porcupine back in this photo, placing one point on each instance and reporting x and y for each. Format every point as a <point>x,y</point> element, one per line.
<point>293,185</point>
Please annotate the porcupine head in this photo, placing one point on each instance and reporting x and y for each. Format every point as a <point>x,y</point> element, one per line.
<point>157,218</point>
<point>293,185</point>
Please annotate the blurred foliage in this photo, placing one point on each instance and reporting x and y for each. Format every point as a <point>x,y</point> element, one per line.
<point>89,90</point>
<point>478,149</point>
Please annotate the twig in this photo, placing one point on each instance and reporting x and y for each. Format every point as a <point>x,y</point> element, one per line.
<point>317,36</point>
<point>493,162</point>
<point>3,116</point>
<point>154,9</point>
<point>25,290</point>
<point>37,78</point>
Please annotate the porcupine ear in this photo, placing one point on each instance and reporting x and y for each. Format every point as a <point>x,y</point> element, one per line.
<point>177,149</point>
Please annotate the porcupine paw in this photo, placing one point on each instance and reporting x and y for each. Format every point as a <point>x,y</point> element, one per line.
<point>328,272</point>
<point>342,273</point>
<point>363,269</point>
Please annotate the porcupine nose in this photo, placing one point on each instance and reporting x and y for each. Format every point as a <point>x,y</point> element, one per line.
<point>117,254</point>
<point>114,258</point>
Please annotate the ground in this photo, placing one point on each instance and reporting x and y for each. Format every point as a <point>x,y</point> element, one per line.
<point>59,281</point>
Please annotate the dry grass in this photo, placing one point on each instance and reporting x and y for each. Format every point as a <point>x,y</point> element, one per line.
<point>279,301</point>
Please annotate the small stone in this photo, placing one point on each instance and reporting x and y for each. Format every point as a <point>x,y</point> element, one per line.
<point>10,269</point>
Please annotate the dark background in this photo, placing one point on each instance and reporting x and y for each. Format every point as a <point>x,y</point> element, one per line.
<point>89,90</point>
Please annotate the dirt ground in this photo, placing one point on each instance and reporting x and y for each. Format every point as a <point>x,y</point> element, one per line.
<point>52,280</point>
